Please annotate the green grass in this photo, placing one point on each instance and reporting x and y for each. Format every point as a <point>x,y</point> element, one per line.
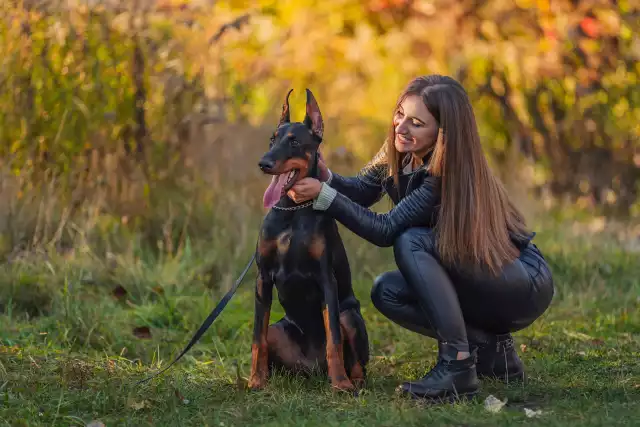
<point>69,354</point>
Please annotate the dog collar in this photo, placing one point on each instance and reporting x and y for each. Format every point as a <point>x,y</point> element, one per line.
<point>293,208</point>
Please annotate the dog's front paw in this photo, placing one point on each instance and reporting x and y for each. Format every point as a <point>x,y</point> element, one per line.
<point>357,375</point>
<point>257,382</point>
<point>342,384</point>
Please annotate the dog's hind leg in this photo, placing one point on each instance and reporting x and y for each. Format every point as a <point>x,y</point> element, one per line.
<point>286,342</point>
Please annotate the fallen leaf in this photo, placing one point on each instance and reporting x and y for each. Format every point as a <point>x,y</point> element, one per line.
<point>34,363</point>
<point>523,347</point>
<point>530,413</point>
<point>181,398</point>
<point>142,332</point>
<point>581,353</point>
<point>136,406</point>
<point>158,290</point>
<point>597,341</point>
<point>493,404</point>
<point>119,293</point>
<point>96,424</point>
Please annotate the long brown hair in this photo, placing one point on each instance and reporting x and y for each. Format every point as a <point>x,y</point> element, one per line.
<point>476,214</point>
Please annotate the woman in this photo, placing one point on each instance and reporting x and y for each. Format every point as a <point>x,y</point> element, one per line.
<point>468,274</point>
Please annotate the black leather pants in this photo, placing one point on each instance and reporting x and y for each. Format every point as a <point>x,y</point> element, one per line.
<point>453,306</point>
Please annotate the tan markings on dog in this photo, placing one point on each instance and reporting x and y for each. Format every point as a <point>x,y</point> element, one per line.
<point>283,241</point>
<point>335,361</point>
<point>290,134</point>
<point>259,284</point>
<point>266,246</point>
<point>259,355</point>
<point>296,163</point>
<point>349,336</point>
<point>317,246</point>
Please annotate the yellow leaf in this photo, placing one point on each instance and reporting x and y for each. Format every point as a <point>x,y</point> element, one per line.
<point>136,406</point>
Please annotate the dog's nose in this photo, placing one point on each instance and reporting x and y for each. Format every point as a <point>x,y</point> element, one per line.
<point>266,164</point>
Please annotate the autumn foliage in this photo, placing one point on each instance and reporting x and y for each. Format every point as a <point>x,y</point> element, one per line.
<point>95,93</point>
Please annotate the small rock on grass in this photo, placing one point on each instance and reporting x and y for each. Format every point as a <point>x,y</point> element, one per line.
<point>530,413</point>
<point>493,404</point>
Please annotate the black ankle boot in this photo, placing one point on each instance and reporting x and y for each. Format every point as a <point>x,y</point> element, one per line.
<point>498,359</point>
<point>449,380</point>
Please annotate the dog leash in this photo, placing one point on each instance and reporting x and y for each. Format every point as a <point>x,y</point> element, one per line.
<point>209,320</point>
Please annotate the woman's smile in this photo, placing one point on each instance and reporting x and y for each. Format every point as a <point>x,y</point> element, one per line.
<point>403,139</point>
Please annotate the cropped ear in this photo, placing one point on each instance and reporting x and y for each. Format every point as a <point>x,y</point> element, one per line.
<point>285,117</point>
<point>313,118</point>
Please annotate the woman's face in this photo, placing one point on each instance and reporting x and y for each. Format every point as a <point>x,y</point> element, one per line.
<point>416,129</point>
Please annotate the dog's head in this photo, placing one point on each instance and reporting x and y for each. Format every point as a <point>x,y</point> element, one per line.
<point>292,149</point>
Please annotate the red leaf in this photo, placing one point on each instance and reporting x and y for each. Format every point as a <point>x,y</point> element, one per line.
<point>551,34</point>
<point>590,27</point>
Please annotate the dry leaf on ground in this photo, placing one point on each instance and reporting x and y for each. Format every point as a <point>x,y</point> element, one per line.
<point>142,332</point>
<point>530,413</point>
<point>493,404</point>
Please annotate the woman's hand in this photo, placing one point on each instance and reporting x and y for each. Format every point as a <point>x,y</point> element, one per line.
<point>305,189</point>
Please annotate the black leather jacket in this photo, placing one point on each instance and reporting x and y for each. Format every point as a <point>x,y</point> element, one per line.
<point>416,200</point>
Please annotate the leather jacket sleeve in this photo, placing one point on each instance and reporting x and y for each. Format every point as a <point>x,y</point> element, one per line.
<point>418,209</point>
<point>362,189</point>
<point>365,188</point>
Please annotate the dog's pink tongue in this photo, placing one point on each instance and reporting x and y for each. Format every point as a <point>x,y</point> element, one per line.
<point>274,191</point>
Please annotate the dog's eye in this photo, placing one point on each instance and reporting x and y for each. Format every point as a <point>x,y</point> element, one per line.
<point>273,141</point>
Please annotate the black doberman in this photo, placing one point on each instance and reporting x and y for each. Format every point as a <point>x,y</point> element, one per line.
<point>301,253</point>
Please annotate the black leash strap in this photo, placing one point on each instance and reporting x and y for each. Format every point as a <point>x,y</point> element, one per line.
<point>209,320</point>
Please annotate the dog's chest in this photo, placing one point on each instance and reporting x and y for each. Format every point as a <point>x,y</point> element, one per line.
<point>298,249</point>
<point>293,255</point>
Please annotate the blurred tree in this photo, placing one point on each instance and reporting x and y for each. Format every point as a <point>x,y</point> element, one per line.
<point>554,83</point>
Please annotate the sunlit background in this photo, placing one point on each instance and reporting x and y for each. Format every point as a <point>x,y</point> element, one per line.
<point>115,103</point>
